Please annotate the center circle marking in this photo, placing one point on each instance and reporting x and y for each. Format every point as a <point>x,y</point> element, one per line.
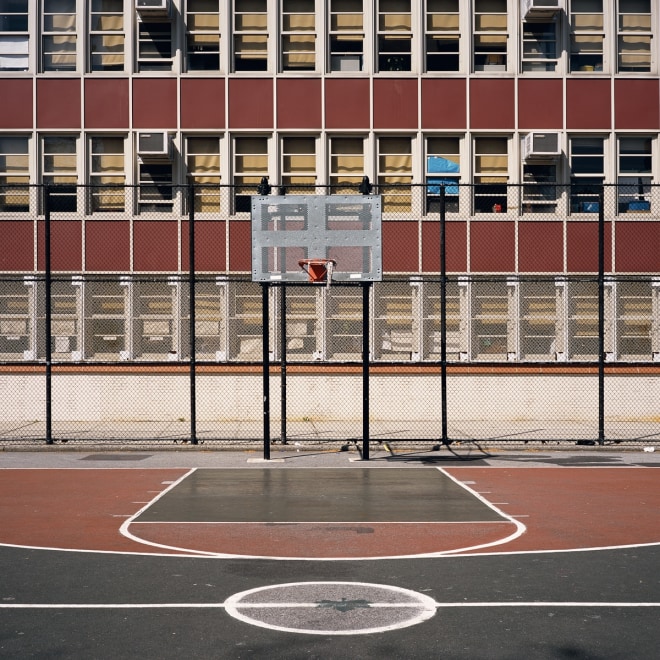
<point>331,608</point>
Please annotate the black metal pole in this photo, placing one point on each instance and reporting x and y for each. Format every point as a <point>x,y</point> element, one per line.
<point>192,329</point>
<point>283,363</point>
<point>443,317</point>
<point>366,286</point>
<point>47,319</point>
<point>601,316</point>
<point>265,359</point>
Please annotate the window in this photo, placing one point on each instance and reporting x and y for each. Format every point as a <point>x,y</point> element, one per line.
<point>394,322</point>
<point>14,37</point>
<point>154,320</point>
<point>250,35</point>
<point>346,35</point>
<point>492,308</point>
<point>490,35</point>
<point>65,320</point>
<point>203,161</point>
<point>583,321</point>
<point>298,163</point>
<point>587,173</point>
<point>394,35</point>
<point>442,35</point>
<point>106,35</point>
<point>346,164</point>
<point>60,169</point>
<point>634,35</point>
<point>539,46</point>
<point>635,174</point>
<point>107,177</point>
<point>298,35</point>
<point>59,35</point>
<point>443,166</point>
<point>395,173</point>
<point>106,304</point>
<point>491,174</point>
<point>210,320</point>
<point>16,320</point>
<point>250,165</point>
<point>634,320</point>
<point>155,46</point>
<point>156,187</point>
<point>14,174</point>
<point>203,35</point>
<point>540,303</point>
<point>540,188</point>
<point>587,35</point>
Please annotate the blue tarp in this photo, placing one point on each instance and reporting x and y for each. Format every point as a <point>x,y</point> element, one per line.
<point>439,165</point>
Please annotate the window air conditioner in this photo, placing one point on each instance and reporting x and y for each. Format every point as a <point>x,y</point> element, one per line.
<point>153,7</point>
<point>541,146</point>
<point>540,8</point>
<point>153,145</point>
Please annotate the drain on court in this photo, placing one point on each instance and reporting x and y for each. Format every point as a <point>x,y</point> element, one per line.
<point>331,608</point>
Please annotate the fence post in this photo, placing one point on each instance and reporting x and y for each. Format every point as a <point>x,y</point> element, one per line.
<point>601,316</point>
<point>283,363</point>
<point>443,317</point>
<point>47,318</point>
<point>191,302</point>
<point>265,360</point>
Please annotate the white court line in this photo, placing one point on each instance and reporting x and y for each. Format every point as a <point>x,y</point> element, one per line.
<point>289,605</point>
<point>519,531</point>
<point>123,530</point>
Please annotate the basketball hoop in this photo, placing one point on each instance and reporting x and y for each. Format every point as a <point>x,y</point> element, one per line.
<point>319,270</point>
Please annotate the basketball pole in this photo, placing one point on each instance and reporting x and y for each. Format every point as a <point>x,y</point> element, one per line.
<point>265,360</point>
<point>283,358</point>
<point>366,287</point>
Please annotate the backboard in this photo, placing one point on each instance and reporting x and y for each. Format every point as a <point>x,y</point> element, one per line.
<point>287,229</point>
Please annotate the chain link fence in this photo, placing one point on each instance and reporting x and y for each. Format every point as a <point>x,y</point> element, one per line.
<point>127,315</point>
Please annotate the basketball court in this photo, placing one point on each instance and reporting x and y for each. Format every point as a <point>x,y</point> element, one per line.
<point>220,554</point>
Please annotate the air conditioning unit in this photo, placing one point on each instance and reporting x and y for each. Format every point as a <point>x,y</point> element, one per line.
<point>540,8</point>
<point>541,146</point>
<point>153,7</point>
<point>155,145</point>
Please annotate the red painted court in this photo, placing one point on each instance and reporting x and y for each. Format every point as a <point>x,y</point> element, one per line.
<point>330,513</point>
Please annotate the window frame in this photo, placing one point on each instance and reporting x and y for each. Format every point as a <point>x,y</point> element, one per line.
<point>19,36</point>
<point>98,34</point>
<point>622,34</point>
<point>9,172</point>
<point>439,34</point>
<point>352,58</point>
<point>252,31</point>
<point>496,60</point>
<point>53,34</point>
<point>290,34</point>
<point>586,201</point>
<point>95,174</point>
<point>206,34</point>
<point>397,60</point>
<point>590,61</point>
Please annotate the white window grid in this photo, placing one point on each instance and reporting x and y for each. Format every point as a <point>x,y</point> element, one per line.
<point>107,36</point>
<point>59,36</point>
<point>394,36</point>
<point>346,35</point>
